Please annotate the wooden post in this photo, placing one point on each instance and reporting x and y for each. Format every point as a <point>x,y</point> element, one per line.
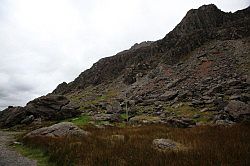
<point>127,110</point>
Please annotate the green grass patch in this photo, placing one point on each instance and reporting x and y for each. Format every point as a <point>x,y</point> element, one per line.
<point>124,116</point>
<point>35,154</point>
<point>80,121</point>
<point>90,97</point>
<point>187,111</point>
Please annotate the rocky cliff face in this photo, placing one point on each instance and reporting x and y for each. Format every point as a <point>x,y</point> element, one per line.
<point>196,72</point>
<point>197,27</point>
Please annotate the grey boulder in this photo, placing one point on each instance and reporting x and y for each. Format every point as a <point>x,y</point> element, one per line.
<point>60,130</point>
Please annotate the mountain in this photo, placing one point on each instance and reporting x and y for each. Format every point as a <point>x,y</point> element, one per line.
<point>198,73</point>
<point>196,28</point>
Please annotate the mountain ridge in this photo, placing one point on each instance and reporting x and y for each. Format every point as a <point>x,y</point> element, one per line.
<point>169,49</point>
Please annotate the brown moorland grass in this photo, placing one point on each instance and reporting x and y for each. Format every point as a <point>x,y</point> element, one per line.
<point>207,145</point>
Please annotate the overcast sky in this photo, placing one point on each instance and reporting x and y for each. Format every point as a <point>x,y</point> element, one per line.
<point>46,42</point>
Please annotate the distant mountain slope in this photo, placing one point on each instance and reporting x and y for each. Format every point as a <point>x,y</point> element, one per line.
<point>196,28</point>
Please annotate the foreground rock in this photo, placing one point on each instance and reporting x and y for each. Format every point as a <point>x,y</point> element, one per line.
<point>166,145</point>
<point>64,129</point>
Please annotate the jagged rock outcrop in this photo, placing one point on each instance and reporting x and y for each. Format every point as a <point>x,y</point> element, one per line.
<point>12,116</point>
<point>52,107</point>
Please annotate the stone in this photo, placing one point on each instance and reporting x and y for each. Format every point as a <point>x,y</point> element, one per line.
<point>103,105</point>
<point>165,145</point>
<point>114,107</point>
<point>196,116</point>
<point>142,119</point>
<point>168,95</point>
<point>107,117</point>
<point>238,110</point>
<point>37,121</point>
<point>241,97</point>
<point>117,138</point>
<point>222,116</point>
<point>59,130</point>
<point>148,102</point>
<point>28,120</point>
<point>174,83</point>
<point>182,123</point>
<point>209,101</point>
<point>109,109</point>
<point>102,117</point>
<point>206,97</point>
<point>224,122</point>
<point>233,82</point>
<point>214,90</point>
<point>116,118</point>
<point>220,104</point>
<point>197,102</point>
<point>204,110</point>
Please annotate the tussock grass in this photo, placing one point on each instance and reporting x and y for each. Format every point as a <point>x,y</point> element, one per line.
<point>207,145</point>
<point>34,153</point>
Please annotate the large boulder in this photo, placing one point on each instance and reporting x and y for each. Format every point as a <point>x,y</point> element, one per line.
<point>52,107</point>
<point>12,116</point>
<point>60,130</point>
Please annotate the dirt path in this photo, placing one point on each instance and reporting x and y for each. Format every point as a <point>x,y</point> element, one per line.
<point>9,157</point>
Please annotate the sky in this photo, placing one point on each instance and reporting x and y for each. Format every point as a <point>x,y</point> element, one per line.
<point>46,42</point>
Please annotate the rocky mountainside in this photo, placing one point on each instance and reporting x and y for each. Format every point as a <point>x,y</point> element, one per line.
<point>198,27</point>
<point>198,73</point>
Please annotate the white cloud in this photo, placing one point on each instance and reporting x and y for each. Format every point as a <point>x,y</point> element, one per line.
<point>46,42</point>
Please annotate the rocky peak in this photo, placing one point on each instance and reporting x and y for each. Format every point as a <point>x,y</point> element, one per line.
<point>205,17</point>
<point>199,26</point>
<point>142,44</point>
